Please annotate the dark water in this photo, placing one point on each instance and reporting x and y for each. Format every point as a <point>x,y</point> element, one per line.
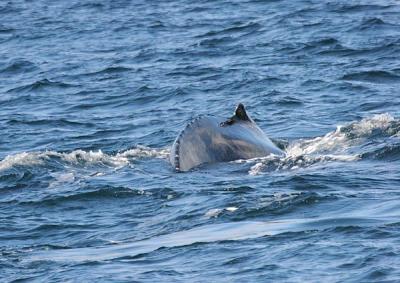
<point>92,94</point>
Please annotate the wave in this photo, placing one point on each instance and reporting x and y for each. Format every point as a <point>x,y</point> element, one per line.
<point>388,152</point>
<point>343,145</point>
<point>88,193</point>
<point>195,72</point>
<point>81,157</point>
<point>41,85</point>
<point>371,23</point>
<point>87,6</point>
<point>104,192</point>
<point>6,29</point>
<point>384,49</point>
<point>238,28</point>
<point>373,76</point>
<point>48,122</point>
<point>356,7</point>
<point>288,101</point>
<point>270,204</point>
<point>216,42</point>
<point>18,66</point>
<point>349,142</point>
<point>233,231</point>
<point>108,70</point>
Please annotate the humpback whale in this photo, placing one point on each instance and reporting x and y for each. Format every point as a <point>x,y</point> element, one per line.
<point>210,139</point>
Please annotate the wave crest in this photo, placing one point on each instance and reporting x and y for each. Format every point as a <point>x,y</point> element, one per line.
<point>81,157</point>
<point>343,145</point>
<point>349,142</point>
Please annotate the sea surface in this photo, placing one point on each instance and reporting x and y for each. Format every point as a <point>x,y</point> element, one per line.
<point>93,93</point>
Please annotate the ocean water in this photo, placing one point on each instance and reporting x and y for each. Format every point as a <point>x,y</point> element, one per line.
<point>93,93</point>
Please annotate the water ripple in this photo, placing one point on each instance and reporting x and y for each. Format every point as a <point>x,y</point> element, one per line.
<point>93,93</point>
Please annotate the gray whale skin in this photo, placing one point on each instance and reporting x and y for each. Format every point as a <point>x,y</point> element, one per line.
<point>209,139</point>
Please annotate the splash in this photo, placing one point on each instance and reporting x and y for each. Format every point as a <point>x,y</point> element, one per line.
<point>22,159</point>
<point>342,145</point>
<point>215,212</point>
<point>81,157</point>
<point>144,151</point>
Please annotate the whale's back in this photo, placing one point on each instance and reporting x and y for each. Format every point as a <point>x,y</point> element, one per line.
<point>208,140</point>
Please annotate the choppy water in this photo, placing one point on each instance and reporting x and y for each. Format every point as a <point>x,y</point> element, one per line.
<point>92,94</point>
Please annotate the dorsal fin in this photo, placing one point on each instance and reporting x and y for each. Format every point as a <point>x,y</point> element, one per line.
<point>240,113</point>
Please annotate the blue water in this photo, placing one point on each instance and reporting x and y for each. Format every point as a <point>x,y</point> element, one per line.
<point>93,93</point>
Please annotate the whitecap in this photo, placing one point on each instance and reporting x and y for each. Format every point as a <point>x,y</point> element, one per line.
<point>215,212</point>
<point>338,145</point>
<point>22,159</point>
<point>82,157</point>
<point>144,151</point>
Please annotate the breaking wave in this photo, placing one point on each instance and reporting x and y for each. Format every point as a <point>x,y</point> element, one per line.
<point>350,142</point>
<point>81,157</point>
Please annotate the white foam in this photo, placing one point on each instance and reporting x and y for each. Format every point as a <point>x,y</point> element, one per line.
<point>256,169</point>
<point>62,178</point>
<point>334,146</point>
<point>337,140</point>
<point>66,177</point>
<point>143,151</point>
<point>93,157</point>
<point>331,141</point>
<point>296,162</point>
<point>21,159</point>
<point>215,212</point>
<point>231,208</point>
<point>82,157</point>
<point>367,125</point>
